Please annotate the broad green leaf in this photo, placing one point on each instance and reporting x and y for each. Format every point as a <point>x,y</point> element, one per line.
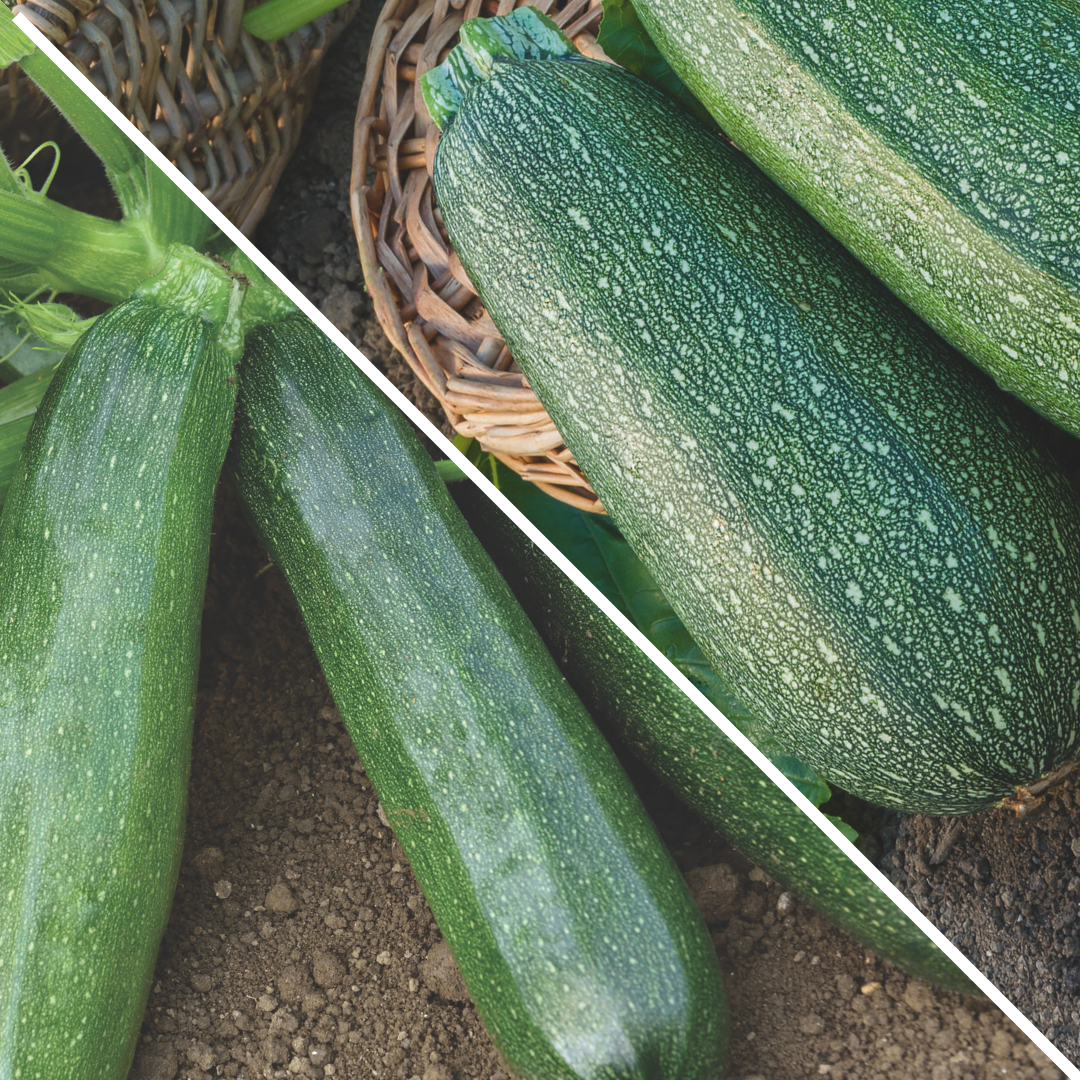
<point>14,44</point>
<point>18,404</point>
<point>21,352</point>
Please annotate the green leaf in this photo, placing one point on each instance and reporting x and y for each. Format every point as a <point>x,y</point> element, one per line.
<point>12,437</point>
<point>21,353</point>
<point>14,44</point>
<point>18,404</point>
<point>623,37</point>
<point>21,398</point>
<point>597,548</point>
<point>845,829</point>
<point>449,471</point>
<point>54,327</point>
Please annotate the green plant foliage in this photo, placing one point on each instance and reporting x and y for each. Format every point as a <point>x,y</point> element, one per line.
<point>276,18</point>
<point>623,37</point>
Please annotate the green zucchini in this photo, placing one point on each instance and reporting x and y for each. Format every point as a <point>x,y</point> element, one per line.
<point>856,527</point>
<point>937,142</point>
<point>640,706</point>
<point>571,926</point>
<point>104,542</point>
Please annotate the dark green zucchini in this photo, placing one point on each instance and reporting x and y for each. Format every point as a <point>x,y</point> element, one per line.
<point>104,542</point>
<point>856,527</point>
<point>636,703</point>
<point>937,142</point>
<point>571,925</point>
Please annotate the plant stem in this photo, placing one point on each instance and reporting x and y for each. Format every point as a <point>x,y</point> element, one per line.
<point>48,245</point>
<point>145,194</point>
<point>276,18</point>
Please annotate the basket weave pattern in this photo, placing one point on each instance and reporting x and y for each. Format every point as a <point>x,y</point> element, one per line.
<point>224,106</point>
<point>422,296</point>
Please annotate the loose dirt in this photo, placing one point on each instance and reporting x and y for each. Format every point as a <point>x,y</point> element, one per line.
<point>1006,892</point>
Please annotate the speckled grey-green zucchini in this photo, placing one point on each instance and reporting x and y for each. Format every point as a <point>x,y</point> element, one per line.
<point>104,543</point>
<point>640,706</point>
<point>852,522</point>
<point>571,925</point>
<point>938,142</point>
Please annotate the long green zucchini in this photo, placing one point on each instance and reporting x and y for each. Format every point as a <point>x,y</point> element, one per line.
<point>104,542</point>
<point>571,925</point>
<point>939,143</point>
<point>636,703</point>
<point>854,525</point>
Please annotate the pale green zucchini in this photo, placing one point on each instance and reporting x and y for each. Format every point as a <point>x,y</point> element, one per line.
<point>859,533</point>
<point>939,143</point>
<point>572,928</point>
<point>104,542</point>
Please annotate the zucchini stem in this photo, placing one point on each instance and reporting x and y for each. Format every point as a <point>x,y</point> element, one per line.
<point>46,244</point>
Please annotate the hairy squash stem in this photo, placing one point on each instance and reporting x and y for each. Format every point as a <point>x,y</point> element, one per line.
<point>47,245</point>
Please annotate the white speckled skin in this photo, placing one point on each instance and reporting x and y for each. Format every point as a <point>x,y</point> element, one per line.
<point>849,519</point>
<point>629,696</point>
<point>940,142</point>
<point>571,925</point>
<point>103,555</point>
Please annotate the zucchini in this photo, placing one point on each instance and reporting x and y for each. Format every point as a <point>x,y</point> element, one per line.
<point>859,531</point>
<point>572,928</point>
<point>641,707</point>
<point>937,142</point>
<point>104,543</point>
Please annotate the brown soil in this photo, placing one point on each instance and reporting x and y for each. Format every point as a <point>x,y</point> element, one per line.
<point>308,235</point>
<point>1006,892</point>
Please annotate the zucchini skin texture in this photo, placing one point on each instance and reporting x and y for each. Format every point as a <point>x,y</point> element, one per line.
<point>104,542</point>
<point>937,143</point>
<point>853,524</point>
<point>571,926</point>
<point>641,707</point>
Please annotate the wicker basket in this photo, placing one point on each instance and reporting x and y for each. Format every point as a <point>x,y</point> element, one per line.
<point>225,107</point>
<point>422,296</point>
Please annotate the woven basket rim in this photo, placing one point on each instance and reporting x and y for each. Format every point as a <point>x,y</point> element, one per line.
<point>226,108</point>
<point>422,296</point>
